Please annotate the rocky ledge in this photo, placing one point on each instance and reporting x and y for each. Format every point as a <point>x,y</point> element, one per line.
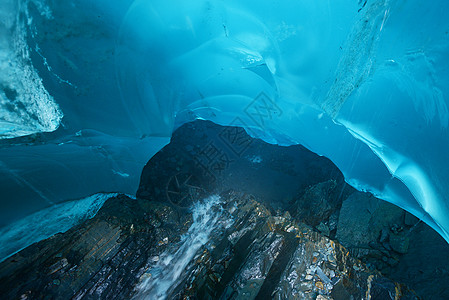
<point>228,246</point>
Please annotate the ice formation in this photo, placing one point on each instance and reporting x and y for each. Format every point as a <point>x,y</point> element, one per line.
<point>47,222</point>
<point>101,85</point>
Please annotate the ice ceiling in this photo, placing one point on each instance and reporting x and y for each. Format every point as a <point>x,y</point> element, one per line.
<point>90,90</point>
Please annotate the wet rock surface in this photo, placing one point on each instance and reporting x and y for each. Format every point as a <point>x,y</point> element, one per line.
<point>101,257</point>
<point>221,216</point>
<point>250,254</point>
<point>270,256</point>
<point>396,243</point>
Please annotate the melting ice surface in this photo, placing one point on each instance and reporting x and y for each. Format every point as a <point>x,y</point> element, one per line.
<point>103,84</point>
<point>47,222</point>
<point>166,272</point>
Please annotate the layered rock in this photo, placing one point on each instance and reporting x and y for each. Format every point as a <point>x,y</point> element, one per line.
<point>102,257</point>
<point>249,253</point>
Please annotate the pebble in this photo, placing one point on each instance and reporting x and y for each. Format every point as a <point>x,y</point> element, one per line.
<point>384,235</point>
<point>164,241</point>
<point>331,258</point>
<point>305,286</point>
<point>290,229</point>
<point>335,280</point>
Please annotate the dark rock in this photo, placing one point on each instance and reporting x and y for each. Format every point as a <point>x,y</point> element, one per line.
<point>392,261</point>
<point>363,218</point>
<point>387,245</point>
<point>410,219</point>
<point>395,228</point>
<point>93,259</point>
<point>339,292</point>
<point>333,220</point>
<point>384,235</point>
<point>316,204</point>
<point>423,266</point>
<point>324,229</point>
<point>269,260</point>
<point>354,228</point>
<point>399,242</point>
<point>223,158</point>
<point>255,255</point>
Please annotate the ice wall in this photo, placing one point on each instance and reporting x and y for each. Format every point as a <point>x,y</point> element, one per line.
<point>47,222</point>
<point>99,144</point>
<point>26,106</point>
<point>361,83</point>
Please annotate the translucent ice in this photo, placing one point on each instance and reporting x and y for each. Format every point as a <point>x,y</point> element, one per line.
<point>364,84</point>
<point>45,223</point>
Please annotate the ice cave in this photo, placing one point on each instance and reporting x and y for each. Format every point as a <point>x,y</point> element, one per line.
<point>91,91</point>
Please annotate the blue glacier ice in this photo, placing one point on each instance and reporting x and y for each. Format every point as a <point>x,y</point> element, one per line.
<point>90,90</point>
<point>47,222</point>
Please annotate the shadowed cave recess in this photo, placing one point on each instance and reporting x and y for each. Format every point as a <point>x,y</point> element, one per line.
<point>224,149</point>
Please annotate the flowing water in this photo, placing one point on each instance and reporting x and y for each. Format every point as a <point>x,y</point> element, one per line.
<point>166,273</point>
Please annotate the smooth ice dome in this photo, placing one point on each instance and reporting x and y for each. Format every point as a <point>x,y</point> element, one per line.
<point>101,85</point>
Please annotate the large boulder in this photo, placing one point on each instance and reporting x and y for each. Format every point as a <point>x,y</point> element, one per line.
<point>362,218</point>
